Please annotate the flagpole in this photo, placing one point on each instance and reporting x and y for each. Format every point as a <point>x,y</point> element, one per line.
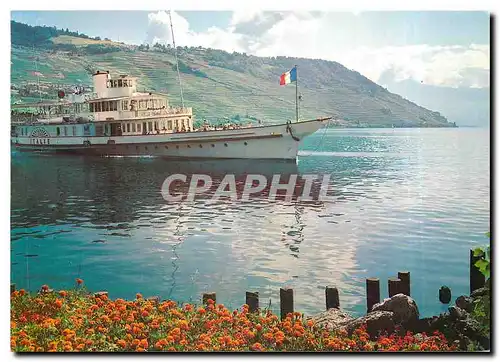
<point>296,95</point>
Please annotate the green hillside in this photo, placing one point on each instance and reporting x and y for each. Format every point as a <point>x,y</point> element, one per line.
<point>216,84</point>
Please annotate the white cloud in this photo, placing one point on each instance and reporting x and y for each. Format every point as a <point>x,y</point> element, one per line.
<point>301,34</point>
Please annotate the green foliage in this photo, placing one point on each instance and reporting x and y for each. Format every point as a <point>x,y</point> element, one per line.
<point>38,36</point>
<point>100,49</point>
<point>484,262</point>
<point>482,305</point>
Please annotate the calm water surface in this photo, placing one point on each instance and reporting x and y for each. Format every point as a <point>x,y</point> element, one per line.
<point>411,199</point>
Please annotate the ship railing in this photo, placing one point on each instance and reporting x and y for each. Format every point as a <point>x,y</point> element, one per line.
<point>165,112</point>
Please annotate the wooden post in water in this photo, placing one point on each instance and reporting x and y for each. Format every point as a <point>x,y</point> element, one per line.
<point>477,279</point>
<point>252,300</point>
<point>332,297</point>
<point>394,286</point>
<point>286,301</point>
<point>12,288</point>
<point>405,282</point>
<point>372,293</point>
<point>207,296</point>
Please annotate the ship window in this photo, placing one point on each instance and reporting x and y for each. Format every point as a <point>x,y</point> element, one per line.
<point>156,125</point>
<point>22,131</point>
<point>114,83</point>
<point>138,127</point>
<point>128,127</point>
<point>120,83</point>
<point>169,124</point>
<point>133,127</point>
<point>115,105</point>
<point>106,106</point>
<point>74,130</point>
<point>125,105</point>
<point>65,131</point>
<point>98,107</point>
<point>125,83</point>
<point>150,126</point>
<point>58,131</point>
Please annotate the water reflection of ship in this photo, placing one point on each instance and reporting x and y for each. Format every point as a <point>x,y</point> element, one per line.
<point>109,191</point>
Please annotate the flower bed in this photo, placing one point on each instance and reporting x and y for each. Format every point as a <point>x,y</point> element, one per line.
<point>77,321</point>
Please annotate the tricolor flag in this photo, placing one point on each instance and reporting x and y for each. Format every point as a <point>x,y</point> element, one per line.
<point>289,77</point>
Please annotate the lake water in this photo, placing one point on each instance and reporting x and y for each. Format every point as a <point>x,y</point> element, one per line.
<point>403,199</point>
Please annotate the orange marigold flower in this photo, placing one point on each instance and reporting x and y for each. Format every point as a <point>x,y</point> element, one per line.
<point>121,343</point>
<point>188,307</point>
<point>424,346</point>
<point>58,303</point>
<point>79,281</point>
<point>138,296</point>
<point>144,343</point>
<point>310,323</point>
<point>22,292</point>
<point>63,293</point>
<point>171,349</point>
<point>201,310</point>
<point>144,313</point>
<point>256,347</point>
<point>44,288</point>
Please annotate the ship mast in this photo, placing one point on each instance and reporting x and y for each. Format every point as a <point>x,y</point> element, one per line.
<point>176,59</point>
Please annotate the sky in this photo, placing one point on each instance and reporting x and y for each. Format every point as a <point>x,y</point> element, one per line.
<point>446,49</point>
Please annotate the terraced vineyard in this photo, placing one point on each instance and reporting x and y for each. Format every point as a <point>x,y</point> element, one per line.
<point>220,85</point>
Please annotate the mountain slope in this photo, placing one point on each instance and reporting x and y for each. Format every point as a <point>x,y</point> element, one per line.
<point>216,84</point>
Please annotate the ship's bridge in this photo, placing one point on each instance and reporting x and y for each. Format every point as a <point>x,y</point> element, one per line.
<point>107,86</point>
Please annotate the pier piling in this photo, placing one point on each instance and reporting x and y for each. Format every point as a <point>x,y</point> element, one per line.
<point>332,297</point>
<point>286,301</point>
<point>405,282</point>
<point>372,293</point>
<point>394,286</point>
<point>252,300</point>
<point>207,296</point>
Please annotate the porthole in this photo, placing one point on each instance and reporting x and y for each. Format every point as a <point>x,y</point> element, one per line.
<point>146,148</point>
<point>189,146</point>
<point>166,147</point>
<point>213,145</point>
<point>225,144</point>
<point>156,147</point>
<point>177,147</point>
<point>246,143</point>
<point>201,146</point>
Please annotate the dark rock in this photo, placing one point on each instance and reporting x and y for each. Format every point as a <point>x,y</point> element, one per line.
<point>332,319</point>
<point>444,294</point>
<point>457,313</point>
<point>479,292</point>
<point>404,308</point>
<point>376,322</point>
<point>465,303</point>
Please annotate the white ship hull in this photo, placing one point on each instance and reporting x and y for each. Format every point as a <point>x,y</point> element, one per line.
<point>266,142</point>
